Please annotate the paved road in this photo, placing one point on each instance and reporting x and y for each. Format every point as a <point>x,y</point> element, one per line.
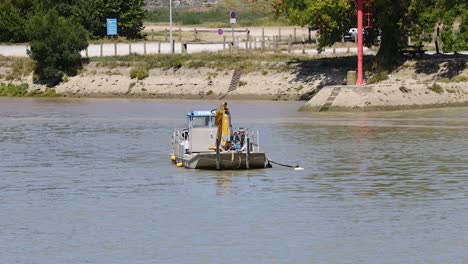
<point>155,48</point>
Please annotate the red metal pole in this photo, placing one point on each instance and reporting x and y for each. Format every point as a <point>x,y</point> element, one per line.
<point>360,7</point>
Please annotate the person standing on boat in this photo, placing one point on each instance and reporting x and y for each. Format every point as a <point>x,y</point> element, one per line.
<point>222,121</point>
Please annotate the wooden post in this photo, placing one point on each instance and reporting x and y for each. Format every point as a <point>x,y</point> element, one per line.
<point>165,35</point>
<point>152,34</point>
<point>115,49</point>
<point>303,43</point>
<point>101,50</point>
<point>269,42</point>
<point>159,47</point>
<point>279,33</point>
<point>263,39</point>
<point>144,47</point>
<point>87,55</point>
<point>248,39</point>
<point>129,48</point>
<point>247,155</point>
<point>255,42</point>
<point>290,44</point>
<point>246,44</point>
<point>180,35</point>
<point>237,43</point>
<point>218,158</point>
<point>195,34</point>
<point>294,34</point>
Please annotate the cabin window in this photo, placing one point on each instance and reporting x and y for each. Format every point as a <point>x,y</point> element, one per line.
<point>201,121</point>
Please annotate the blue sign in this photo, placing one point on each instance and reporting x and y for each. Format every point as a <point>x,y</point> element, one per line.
<point>220,31</point>
<point>232,14</point>
<point>112,26</point>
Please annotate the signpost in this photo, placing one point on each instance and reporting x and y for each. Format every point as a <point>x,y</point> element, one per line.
<point>112,26</point>
<point>232,20</point>
<point>112,31</point>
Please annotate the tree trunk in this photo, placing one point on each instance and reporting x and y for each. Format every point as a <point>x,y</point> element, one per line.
<point>388,55</point>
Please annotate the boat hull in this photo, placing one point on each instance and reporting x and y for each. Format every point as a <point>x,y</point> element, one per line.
<point>228,161</point>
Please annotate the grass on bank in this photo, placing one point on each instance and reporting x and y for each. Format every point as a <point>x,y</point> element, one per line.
<point>252,14</point>
<point>19,67</point>
<point>21,90</point>
<point>247,62</point>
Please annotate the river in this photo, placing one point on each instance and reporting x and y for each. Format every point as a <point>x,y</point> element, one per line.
<point>90,181</point>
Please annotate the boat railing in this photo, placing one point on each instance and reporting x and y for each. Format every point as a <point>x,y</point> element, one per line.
<point>178,141</point>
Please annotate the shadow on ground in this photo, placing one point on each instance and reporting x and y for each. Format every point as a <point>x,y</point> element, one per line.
<point>442,66</point>
<point>324,72</point>
<point>332,71</point>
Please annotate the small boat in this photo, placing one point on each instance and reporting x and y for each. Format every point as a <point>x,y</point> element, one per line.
<point>210,142</point>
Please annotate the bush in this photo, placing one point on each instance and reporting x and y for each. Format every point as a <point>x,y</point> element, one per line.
<point>436,88</point>
<point>380,75</point>
<point>13,90</point>
<point>22,90</point>
<point>56,43</point>
<point>140,73</point>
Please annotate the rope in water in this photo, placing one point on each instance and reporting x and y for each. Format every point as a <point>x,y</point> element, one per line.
<point>280,164</point>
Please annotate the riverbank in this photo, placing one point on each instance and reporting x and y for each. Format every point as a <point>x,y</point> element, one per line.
<point>429,82</point>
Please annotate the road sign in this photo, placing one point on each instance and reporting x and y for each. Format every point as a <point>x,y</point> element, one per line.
<point>232,14</point>
<point>112,26</point>
<point>232,21</point>
<point>220,31</point>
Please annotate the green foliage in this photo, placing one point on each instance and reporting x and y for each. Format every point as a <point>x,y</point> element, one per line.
<point>140,73</point>
<point>13,18</point>
<point>396,20</point>
<point>299,88</point>
<point>22,91</point>
<point>460,78</point>
<point>253,14</point>
<point>242,83</point>
<point>436,88</point>
<point>248,62</point>
<point>378,76</point>
<point>13,90</point>
<point>47,93</point>
<point>56,43</point>
<point>92,14</point>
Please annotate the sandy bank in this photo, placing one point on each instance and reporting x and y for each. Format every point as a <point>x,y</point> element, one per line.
<point>317,79</point>
<point>388,97</point>
<point>188,83</point>
<point>427,83</point>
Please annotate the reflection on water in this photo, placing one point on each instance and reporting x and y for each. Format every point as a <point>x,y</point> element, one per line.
<point>90,181</point>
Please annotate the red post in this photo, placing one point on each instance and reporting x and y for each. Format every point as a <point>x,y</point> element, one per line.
<point>360,7</point>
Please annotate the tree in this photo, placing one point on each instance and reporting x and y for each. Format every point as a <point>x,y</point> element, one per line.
<point>92,14</point>
<point>56,43</point>
<point>395,19</point>
<point>13,19</point>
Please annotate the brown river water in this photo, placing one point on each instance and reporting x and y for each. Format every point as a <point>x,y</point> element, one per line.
<point>90,181</point>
